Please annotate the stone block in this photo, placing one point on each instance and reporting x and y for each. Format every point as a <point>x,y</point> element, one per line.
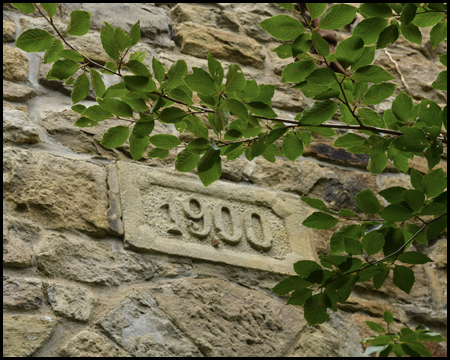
<point>15,64</point>
<point>22,294</point>
<point>16,92</point>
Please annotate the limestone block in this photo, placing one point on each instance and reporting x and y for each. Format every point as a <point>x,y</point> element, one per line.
<point>16,92</point>
<point>183,12</point>
<point>9,31</point>
<point>92,344</point>
<point>56,192</point>
<point>17,127</point>
<point>225,319</point>
<point>15,64</point>
<point>22,294</point>
<point>144,330</point>
<point>72,302</point>
<point>198,40</point>
<point>75,258</point>
<point>24,334</point>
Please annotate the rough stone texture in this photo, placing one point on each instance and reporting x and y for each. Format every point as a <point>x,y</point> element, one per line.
<point>24,334</point>
<point>92,344</point>
<point>16,92</point>
<point>224,319</point>
<point>56,192</point>
<point>71,301</point>
<point>197,40</point>
<point>17,127</point>
<point>15,64</point>
<point>22,294</point>
<point>9,30</point>
<point>75,258</point>
<point>144,330</point>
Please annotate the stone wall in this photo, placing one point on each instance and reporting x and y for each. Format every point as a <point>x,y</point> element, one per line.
<point>76,282</point>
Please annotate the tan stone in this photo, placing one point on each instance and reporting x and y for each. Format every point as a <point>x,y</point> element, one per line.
<point>76,258</point>
<point>92,344</point>
<point>24,334</point>
<point>56,192</point>
<point>15,64</point>
<point>16,92</point>
<point>183,13</point>
<point>197,40</point>
<point>17,127</point>
<point>22,294</point>
<point>9,30</point>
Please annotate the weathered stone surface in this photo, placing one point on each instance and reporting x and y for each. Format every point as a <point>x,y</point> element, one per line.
<point>224,319</point>
<point>75,258</point>
<point>15,64</point>
<point>22,294</point>
<point>16,92</point>
<point>326,152</point>
<point>183,13</point>
<point>73,302</point>
<point>15,252</point>
<point>17,127</point>
<point>92,344</point>
<point>338,337</point>
<point>144,330</point>
<point>56,192</point>
<point>226,223</point>
<point>197,40</point>
<point>9,31</point>
<point>24,334</point>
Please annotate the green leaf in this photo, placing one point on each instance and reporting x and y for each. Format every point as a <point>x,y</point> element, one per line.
<point>349,50</point>
<point>79,108</point>
<point>186,161</point>
<point>349,140</point>
<point>366,58</point>
<point>283,27</point>
<point>292,146</point>
<point>180,94</point>
<point>323,76</point>
<point>135,33</point>
<point>138,146</point>
<point>80,88</point>
<point>430,113</point>
<point>158,70</point>
<point>414,198</point>
<point>97,83</point>
<point>315,203</point>
<point>298,71</point>
<point>158,153</point>
<point>261,109</point>
<point>215,69</point>
<point>109,44</point>
<point>275,134</point>
<point>315,310</point>
<point>51,54</point>
<point>235,79</point>
<point>438,33</point>
<point>379,279</point>
<point>424,19</point>
<point>412,33</point>
<point>115,136</point>
<point>372,73</point>
<point>26,8</point>
<point>402,107</point>
<point>370,29</point>
<point>370,117</point>
<point>395,212</point>
<point>434,183</point>
<point>289,284</point>
<point>266,93</point>
<point>403,278</point>
<point>198,146</point>
<point>299,297</point>
<point>284,51</point>
<point>436,228</point>
<point>367,202</point>
<point>63,69</point>
<point>172,115</point>
<point>97,113</point>
<point>201,82</point>
<point>373,242</point>
<point>71,54</point>
<point>165,141</point>
<point>34,40</point>
<point>377,93</point>
<point>316,9</point>
<point>85,122</point>
<point>375,9</point>
<point>388,317</point>
<point>304,268</point>
<point>443,59</point>
<point>441,82</point>
<point>117,107</point>
<point>209,170</point>
<point>79,23</point>
<point>301,45</point>
<point>320,221</point>
<point>408,13</point>
<point>140,84</point>
<point>321,45</point>
<point>175,75</point>
<point>237,107</point>
<point>413,257</point>
<point>337,16</point>
<point>318,112</point>
<point>144,126</point>
<point>138,68</point>
<point>388,36</point>
<point>375,327</point>
<point>196,126</point>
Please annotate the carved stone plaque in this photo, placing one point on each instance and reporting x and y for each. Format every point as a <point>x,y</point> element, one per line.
<point>242,225</point>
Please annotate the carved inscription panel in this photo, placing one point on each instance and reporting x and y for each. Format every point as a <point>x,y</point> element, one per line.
<point>228,223</point>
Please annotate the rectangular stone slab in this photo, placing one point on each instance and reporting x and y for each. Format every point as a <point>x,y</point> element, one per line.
<point>242,225</point>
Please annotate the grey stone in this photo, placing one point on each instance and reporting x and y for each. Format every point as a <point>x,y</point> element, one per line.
<point>22,294</point>
<point>17,127</point>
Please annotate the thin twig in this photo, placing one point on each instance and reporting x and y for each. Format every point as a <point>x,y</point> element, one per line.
<point>398,71</point>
